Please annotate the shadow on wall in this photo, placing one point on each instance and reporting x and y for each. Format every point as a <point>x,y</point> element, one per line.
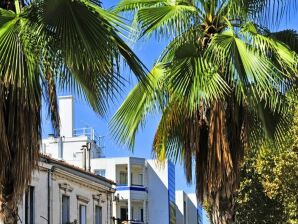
<point>158,194</point>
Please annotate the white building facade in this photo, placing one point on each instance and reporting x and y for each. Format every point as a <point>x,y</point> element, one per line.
<point>145,190</point>
<point>188,209</point>
<point>76,146</point>
<point>60,193</point>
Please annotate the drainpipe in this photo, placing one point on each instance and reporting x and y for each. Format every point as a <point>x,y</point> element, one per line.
<point>89,161</point>
<point>107,207</point>
<point>60,147</point>
<point>86,153</point>
<point>84,157</point>
<point>50,171</point>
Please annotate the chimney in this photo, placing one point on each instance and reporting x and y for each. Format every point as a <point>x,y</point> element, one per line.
<point>66,116</point>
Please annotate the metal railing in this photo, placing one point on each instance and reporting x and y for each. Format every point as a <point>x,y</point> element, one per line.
<point>89,132</point>
<point>121,221</point>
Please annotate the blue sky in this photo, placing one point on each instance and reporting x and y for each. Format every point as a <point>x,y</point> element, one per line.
<point>148,52</point>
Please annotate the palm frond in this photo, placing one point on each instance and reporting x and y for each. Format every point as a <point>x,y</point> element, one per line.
<point>175,135</point>
<point>288,37</point>
<point>184,45</point>
<point>133,5</point>
<point>83,41</point>
<point>266,12</point>
<point>196,81</point>
<point>246,67</point>
<point>140,102</point>
<point>74,44</point>
<point>166,20</point>
<point>20,110</point>
<point>276,50</point>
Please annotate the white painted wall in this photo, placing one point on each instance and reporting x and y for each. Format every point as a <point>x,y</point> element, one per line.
<point>69,149</point>
<point>80,187</point>
<point>155,179</point>
<point>180,198</point>
<point>66,115</point>
<point>158,200</point>
<point>191,216</point>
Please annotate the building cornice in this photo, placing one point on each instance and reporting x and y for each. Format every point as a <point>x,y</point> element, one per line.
<point>78,178</point>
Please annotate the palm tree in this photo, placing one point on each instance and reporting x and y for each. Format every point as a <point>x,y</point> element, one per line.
<point>46,45</point>
<point>219,85</point>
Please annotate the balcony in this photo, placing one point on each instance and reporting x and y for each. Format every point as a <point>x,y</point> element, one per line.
<point>136,211</point>
<point>135,179</point>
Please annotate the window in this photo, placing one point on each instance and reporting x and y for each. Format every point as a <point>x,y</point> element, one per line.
<point>29,206</point>
<point>123,178</point>
<point>65,209</point>
<point>100,172</point>
<point>137,180</point>
<point>142,215</point>
<point>98,215</point>
<point>83,214</point>
<point>141,179</point>
<point>123,214</point>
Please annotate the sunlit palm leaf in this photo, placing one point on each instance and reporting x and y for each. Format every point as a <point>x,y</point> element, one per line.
<point>225,74</point>
<point>20,108</point>
<point>196,81</point>
<point>288,37</point>
<point>75,44</point>
<point>168,20</point>
<point>133,5</point>
<point>143,101</point>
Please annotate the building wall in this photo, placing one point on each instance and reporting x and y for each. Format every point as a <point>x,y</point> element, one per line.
<point>157,179</point>
<point>70,149</point>
<point>187,209</point>
<point>192,212</point>
<point>66,113</point>
<point>193,198</point>
<point>79,190</point>
<point>180,208</point>
<point>158,198</point>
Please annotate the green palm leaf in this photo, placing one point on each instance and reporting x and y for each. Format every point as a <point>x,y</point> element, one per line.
<point>132,5</point>
<point>144,101</point>
<point>288,37</point>
<point>169,20</point>
<point>225,85</point>
<point>44,46</point>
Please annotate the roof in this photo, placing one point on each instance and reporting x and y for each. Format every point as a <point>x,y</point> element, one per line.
<point>62,163</point>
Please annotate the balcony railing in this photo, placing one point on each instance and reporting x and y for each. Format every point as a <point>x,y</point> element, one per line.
<point>89,132</point>
<point>121,221</point>
<point>131,188</point>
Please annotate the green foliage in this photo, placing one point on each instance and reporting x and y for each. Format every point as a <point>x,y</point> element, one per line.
<point>269,186</point>
<point>220,84</point>
<point>253,204</point>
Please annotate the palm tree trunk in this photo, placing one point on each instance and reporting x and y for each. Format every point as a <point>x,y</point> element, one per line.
<point>8,215</point>
<point>8,206</point>
<point>224,211</point>
<point>218,162</point>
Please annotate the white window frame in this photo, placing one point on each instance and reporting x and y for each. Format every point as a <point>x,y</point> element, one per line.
<point>81,205</point>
